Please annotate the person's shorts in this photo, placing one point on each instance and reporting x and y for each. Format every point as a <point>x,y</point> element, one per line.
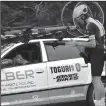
<point>97,62</point>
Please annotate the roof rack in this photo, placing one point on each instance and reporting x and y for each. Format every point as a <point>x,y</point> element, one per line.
<point>26,33</point>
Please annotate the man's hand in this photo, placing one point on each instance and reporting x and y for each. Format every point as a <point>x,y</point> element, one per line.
<point>92,41</point>
<point>72,28</point>
<point>71,42</point>
<point>92,37</point>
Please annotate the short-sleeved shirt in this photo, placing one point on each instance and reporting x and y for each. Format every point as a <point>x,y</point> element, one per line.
<point>96,57</point>
<point>96,28</point>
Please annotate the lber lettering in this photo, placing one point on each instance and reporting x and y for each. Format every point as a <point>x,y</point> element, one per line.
<point>17,75</point>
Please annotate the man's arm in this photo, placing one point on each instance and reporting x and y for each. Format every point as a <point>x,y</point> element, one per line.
<point>91,43</point>
<point>92,31</point>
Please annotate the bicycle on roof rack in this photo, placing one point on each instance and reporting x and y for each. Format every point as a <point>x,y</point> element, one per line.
<point>26,33</point>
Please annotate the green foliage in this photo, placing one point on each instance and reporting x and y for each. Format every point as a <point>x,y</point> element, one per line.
<point>45,13</point>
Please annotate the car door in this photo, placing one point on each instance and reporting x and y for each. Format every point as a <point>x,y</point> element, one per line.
<point>67,72</point>
<point>25,84</point>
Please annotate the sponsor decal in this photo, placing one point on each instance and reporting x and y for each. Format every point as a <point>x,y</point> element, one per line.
<point>68,77</point>
<point>17,85</point>
<point>60,69</point>
<point>8,76</point>
<point>66,68</point>
<point>78,67</point>
<point>17,80</point>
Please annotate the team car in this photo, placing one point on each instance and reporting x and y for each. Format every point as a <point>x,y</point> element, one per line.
<point>45,71</point>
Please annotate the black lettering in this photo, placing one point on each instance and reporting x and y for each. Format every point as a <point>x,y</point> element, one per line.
<point>62,77</point>
<point>55,69</point>
<point>70,76</point>
<point>66,68</point>
<point>29,73</point>
<point>66,78</point>
<point>72,67</point>
<point>51,69</point>
<point>73,76</point>
<point>59,69</point>
<point>58,78</point>
<point>63,68</point>
<point>10,76</point>
<point>76,76</point>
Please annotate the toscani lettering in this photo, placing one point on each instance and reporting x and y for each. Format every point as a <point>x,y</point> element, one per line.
<point>59,69</point>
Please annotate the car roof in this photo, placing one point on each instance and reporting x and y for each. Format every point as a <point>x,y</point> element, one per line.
<point>13,45</point>
<point>77,39</point>
<point>51,39</point>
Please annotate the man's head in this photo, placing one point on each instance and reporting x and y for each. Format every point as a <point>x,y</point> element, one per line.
<point>80,14</point>
<point>80,10</point>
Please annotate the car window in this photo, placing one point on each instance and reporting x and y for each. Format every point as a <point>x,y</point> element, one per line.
<point>22,55</point>
<point>6,47</point>
<point>61,51</point>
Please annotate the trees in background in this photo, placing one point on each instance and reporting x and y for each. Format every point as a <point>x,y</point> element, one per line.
<point>44,13</point>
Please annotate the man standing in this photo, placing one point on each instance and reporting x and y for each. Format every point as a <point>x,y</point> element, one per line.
<point>96,33</point>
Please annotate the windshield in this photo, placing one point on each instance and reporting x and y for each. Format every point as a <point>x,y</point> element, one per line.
<point>6,47</point>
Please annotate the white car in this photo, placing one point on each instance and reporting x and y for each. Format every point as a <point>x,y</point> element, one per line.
<point>48,72</point>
